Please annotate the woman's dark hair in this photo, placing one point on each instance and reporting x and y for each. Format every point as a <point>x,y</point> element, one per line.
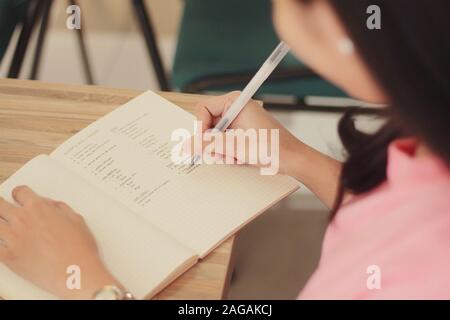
<point>410,59</point>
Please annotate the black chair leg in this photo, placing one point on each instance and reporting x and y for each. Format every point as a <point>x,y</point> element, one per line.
<point>30,20</point>
<point>84,54</point>
<point>150,40</point>
<point>41,39</point>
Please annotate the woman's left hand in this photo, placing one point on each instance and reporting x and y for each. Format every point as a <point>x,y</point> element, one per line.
<point>41,238</point>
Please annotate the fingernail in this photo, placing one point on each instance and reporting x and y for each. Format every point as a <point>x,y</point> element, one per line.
<point>15,190</point>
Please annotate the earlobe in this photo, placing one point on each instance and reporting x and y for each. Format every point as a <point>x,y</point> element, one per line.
<point>346,47</point>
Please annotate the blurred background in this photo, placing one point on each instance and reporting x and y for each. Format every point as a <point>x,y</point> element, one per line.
<point>202,46</point>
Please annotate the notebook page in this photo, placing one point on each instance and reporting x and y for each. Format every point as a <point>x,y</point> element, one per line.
<point>214,202</point>
<point>138,254</point>
<point>127,154</point>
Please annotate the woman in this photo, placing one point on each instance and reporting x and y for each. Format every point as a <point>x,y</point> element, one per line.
<point>389,199</point>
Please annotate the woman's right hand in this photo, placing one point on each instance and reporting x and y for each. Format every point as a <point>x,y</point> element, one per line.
<point>317,171</point>
<point>253,116</point>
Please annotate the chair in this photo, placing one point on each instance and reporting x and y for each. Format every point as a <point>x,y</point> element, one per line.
<point>31,15</point>
<point>11,13</point>
<point>221,44</point>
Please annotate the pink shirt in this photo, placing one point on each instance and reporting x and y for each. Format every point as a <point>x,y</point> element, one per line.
<point>400,232</point>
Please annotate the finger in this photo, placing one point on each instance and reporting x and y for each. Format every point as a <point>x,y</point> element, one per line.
<point>223,158</point>
<point>206,118</point>
<point>4,251</point>
<point>23,195</point>
<point>50,200</point>
<point>5,232</point>
<point>196,144</point>
<point>6,209</point>
<point>61,205</point>
<point>209,111</point>
<point>217,104</point>
<point>212,144</point>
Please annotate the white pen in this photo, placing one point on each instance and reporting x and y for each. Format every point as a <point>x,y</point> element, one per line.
<point>258,79</point>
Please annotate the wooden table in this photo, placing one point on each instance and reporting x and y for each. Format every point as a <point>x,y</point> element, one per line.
<point>36,117</point>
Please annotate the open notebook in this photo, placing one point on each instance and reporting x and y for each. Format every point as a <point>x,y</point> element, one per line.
<point>152,219</point>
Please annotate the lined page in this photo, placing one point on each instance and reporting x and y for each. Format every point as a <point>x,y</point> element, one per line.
<point>127,155</point>
<point>127,152</point>
<point>138,254</point>
<point>214,202</point>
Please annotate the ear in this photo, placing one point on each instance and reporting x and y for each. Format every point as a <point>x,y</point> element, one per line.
<point>333,29</point>
<point>347,68</point>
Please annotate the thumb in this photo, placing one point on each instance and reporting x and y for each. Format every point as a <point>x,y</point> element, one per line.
<point>23,195</point>
<point>213,144</point>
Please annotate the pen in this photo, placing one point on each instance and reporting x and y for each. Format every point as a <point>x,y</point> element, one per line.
<point>258,79</point>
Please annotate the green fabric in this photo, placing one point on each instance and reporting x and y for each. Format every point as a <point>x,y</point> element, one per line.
<point>224,37</point>
<point>11,12</point>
